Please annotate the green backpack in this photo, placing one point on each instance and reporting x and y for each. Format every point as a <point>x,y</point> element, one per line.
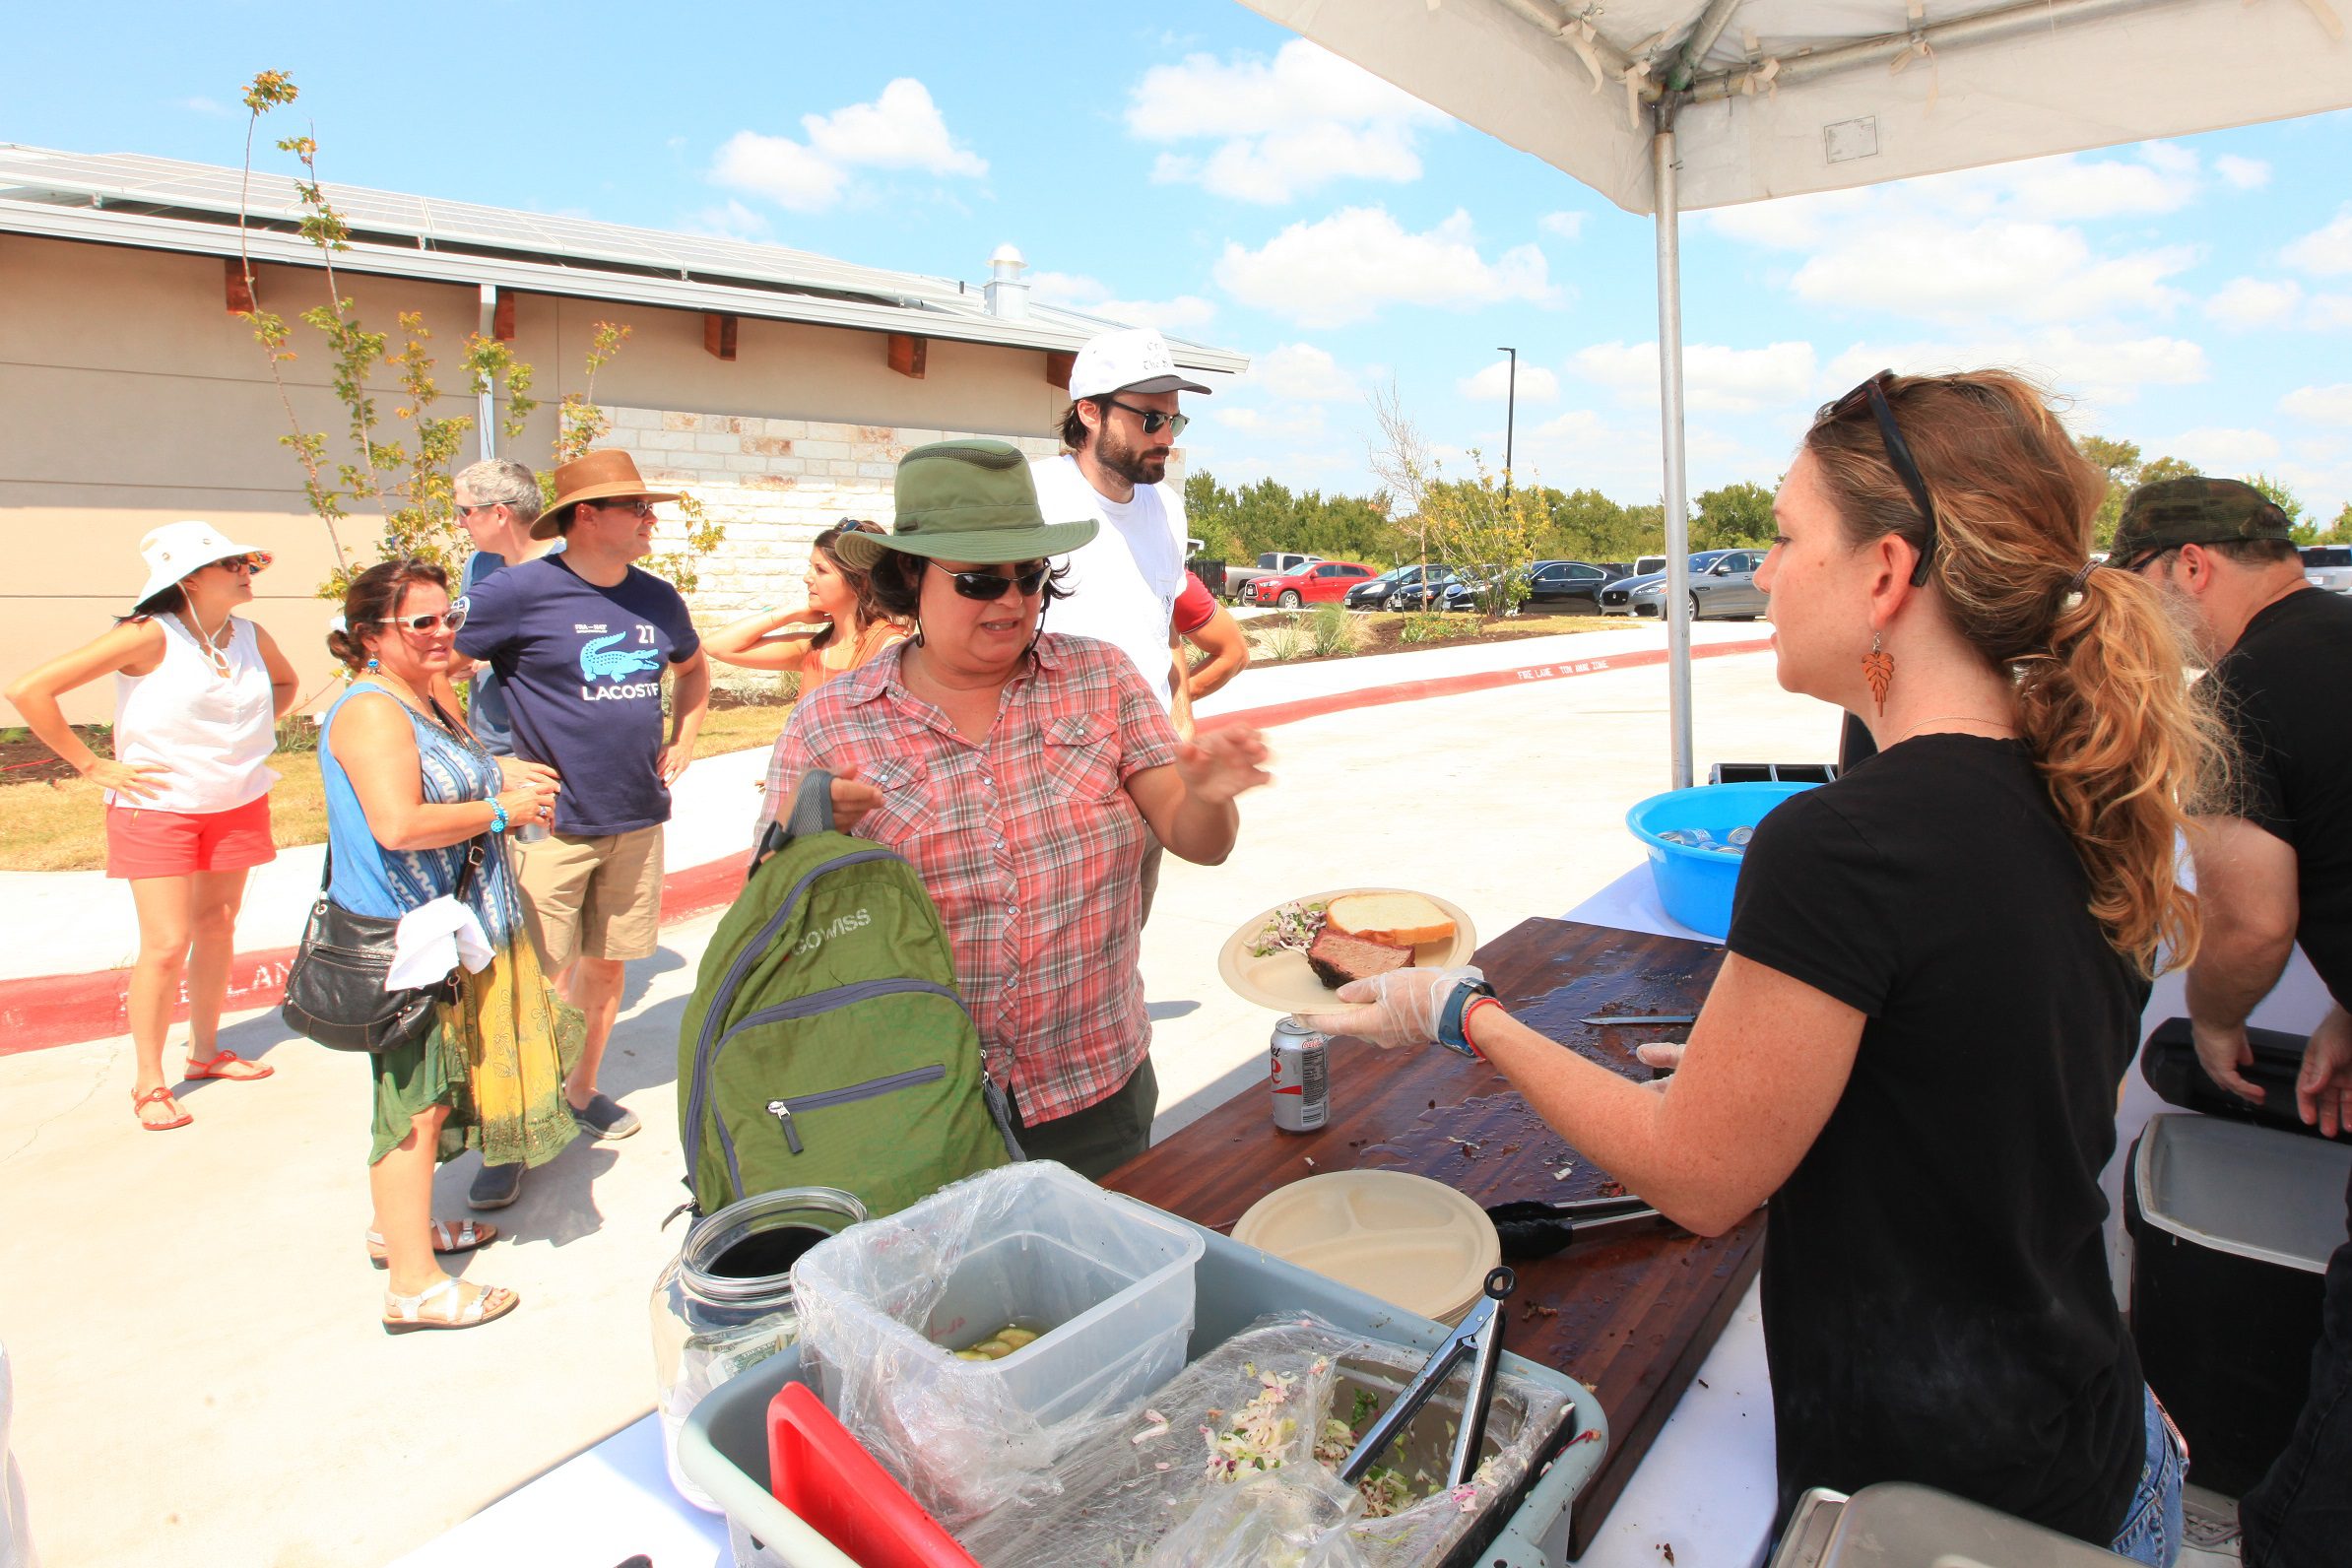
<point>825,1044</point>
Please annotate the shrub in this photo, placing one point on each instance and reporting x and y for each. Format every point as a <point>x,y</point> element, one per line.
<point>1425,625</point>
<point>1332,630</point>
<point>1284,642</point>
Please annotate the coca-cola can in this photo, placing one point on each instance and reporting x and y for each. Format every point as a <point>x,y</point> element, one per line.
<point>1301,1077</point>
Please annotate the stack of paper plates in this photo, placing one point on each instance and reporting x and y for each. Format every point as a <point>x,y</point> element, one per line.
<point>1412,1242</point>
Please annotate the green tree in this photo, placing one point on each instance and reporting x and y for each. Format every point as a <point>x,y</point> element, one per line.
<point>2124,472</point>
<point>2339,532</point>
<point>1237,525</point>
<point>1472,522</point>
<point>1736,514</point>
<point>2286,500</point>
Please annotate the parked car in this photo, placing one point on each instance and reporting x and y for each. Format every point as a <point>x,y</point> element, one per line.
<point>1373,592</point>
<point>2328,567</point>
<point>1559,582</point>
<point>1270,563</point>
<point>1424,591</point>
<point>1643,567</point>
<point>1324,582</point>
<point>1723,582</point>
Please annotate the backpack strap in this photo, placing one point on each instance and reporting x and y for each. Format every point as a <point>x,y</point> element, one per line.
<point>811,812</point>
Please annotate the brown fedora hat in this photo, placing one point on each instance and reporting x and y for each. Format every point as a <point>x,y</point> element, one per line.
<point>599,476</point>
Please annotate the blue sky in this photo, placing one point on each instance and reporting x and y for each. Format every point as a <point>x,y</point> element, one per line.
<point>1211,173</point>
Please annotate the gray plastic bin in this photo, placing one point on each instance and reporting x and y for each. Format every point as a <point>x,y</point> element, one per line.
<point>1902,1524</point>
<point>723,1447</point>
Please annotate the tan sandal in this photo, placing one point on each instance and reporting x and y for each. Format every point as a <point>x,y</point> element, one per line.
<point>451,1304</point>
<point>448,1236</point>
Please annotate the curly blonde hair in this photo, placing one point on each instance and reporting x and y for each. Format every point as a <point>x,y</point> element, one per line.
<point>2129,749</point>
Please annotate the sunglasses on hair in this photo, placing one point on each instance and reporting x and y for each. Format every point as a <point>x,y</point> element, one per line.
<point>1898,456</point>
<point>987,585</point>
<point>454,618</point>
<point>1153,419</point>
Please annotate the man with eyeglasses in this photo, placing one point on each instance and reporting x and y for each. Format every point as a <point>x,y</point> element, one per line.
<point>2278,874</point>
<point>498,500</point>
<point>581,642</point>
<point>1122,424</point>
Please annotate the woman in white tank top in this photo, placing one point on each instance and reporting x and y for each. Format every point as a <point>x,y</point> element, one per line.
<point>197,699</point>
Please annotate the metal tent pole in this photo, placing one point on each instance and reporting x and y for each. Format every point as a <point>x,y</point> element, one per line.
<point>485,416</point>
<point>1670,412</point>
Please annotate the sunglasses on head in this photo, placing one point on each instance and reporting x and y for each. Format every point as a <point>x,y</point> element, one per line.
<point>454,618</point>
<point>1153,419</point>
<point>1898,456</point>
<point>987,585</point>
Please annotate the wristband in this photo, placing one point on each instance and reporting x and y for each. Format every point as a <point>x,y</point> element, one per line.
<point>497,814</point>
<point>1448,1021</point>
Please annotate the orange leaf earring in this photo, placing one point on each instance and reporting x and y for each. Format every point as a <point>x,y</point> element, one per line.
<point>1878,668</point>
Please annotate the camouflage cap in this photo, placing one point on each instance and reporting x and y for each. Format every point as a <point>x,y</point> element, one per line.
<point>2196,510</point>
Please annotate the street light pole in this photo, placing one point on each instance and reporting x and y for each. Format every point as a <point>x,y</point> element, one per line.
<point>1510,416</point>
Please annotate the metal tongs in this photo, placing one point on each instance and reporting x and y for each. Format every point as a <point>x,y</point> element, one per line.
<point>1479,1335</point>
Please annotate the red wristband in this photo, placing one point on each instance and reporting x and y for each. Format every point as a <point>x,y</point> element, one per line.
<point>1470,1012</point>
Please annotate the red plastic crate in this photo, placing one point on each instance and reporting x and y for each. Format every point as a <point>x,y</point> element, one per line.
<point>826,1476</point>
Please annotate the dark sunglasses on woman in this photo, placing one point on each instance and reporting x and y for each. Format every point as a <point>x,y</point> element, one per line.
<point>986,585</point>
<point>454,618</point>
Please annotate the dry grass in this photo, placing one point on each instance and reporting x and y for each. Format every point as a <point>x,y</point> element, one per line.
<point>62,826</point>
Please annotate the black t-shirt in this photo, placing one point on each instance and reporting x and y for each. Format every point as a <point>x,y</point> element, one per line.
<point>1936,1299</point>
<point>2283,689</point>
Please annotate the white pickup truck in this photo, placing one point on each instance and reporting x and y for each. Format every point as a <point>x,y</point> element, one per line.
<point>1270,563</point>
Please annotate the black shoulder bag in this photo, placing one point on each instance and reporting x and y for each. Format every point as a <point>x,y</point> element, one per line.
<point>335,989</point>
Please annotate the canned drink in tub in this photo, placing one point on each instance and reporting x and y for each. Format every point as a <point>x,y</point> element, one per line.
<point>1301,1077</point>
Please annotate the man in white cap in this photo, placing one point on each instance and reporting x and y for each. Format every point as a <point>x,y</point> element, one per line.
<point>1122,424</point>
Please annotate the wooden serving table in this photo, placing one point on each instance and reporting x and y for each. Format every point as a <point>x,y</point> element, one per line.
<point>1630,1313</point>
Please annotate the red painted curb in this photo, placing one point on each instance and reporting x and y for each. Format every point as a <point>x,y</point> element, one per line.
<point>65,1009</point>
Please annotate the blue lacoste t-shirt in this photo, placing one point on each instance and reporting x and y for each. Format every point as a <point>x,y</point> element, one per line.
<point>581,670</point>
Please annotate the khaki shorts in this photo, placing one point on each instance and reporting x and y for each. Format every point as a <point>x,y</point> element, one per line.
<point>593,897</point>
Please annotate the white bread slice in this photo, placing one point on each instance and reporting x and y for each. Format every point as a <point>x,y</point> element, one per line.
<point>1402,920</point>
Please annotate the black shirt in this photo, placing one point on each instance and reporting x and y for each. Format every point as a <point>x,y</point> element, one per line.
<point>1936,1298</point>
<point>2283,690</point>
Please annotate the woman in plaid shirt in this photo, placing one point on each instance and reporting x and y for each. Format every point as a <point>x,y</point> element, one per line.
<point>1024,774</point>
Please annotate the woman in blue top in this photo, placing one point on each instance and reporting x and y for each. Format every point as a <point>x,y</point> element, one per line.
<point>410,795</point>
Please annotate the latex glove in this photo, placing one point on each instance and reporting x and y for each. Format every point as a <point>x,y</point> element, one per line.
<point>2223,1051</point>
<point>2324,1088</point>
<point>1398,1008</point>
<point>1223,763</point>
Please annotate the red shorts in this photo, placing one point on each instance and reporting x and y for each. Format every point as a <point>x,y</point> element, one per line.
<point>143,842</point>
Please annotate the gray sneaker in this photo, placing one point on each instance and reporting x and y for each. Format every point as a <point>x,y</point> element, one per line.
<point>495,1187</point>
<point>605,1117</point>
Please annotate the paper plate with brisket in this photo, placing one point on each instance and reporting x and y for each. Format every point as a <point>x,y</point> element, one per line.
<point>1294,956</point>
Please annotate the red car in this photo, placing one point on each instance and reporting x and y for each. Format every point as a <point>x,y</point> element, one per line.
<point>1324,582</point>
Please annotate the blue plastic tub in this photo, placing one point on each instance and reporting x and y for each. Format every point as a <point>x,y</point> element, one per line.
<point>1695,884</point>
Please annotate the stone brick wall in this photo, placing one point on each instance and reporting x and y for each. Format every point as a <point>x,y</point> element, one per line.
<point>776,483</point>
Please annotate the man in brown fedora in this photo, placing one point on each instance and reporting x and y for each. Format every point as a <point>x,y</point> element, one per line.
<point>581,641</point>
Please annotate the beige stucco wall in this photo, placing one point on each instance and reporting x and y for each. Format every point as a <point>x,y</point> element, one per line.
<point>129,397</point>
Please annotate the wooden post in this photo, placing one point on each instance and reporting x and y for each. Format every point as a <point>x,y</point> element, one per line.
<point>503,318</point>
<point>240,296</point>
<point>908,352</point>
<point>718,335</point>
<point>1058,366</point>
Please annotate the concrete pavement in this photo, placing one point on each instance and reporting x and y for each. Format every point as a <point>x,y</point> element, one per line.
<point>190,1315</point>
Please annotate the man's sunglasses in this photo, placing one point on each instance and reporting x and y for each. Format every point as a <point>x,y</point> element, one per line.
<point>1898,456</point>
<point>640,509</point>
<point>987,585</point>
<point>1153,419</point>
<point>454,618</point>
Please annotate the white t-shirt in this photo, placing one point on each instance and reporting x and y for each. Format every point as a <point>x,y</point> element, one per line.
<point>1122,585</point>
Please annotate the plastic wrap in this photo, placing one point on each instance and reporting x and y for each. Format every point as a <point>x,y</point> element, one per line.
<point>1171,1485</point>
<point>1105,1282</point>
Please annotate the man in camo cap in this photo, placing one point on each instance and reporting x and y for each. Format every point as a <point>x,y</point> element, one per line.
<point>2277,873</point>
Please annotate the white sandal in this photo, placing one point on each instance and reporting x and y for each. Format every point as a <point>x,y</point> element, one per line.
<point>448,1236</point>
<point>405,1314</point>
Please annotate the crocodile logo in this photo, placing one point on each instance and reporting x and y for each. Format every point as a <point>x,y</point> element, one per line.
<point>599,660</point>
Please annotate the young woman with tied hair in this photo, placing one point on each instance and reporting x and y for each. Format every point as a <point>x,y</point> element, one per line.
<point>1937,969</point>
<point>839,627</point>
<point>412,796</point>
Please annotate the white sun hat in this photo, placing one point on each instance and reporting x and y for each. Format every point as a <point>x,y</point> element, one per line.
<point>176,550</point>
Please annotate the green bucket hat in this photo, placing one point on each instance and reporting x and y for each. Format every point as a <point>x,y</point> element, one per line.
<point>967,501</point>
<point>2166,514</point>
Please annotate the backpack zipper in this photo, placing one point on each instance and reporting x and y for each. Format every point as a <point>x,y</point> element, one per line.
<point>867,1090</point>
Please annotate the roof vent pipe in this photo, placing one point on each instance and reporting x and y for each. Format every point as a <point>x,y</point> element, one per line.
<point>1008,293</point>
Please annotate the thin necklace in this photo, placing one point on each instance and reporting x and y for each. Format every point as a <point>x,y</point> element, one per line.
<point>432,715</point>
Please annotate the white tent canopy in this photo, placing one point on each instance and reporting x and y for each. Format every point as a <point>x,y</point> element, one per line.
<point>1670,105</point>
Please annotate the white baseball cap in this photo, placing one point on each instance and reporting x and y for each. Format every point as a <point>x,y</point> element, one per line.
<point>1131,359</point>
<point>176,550</point>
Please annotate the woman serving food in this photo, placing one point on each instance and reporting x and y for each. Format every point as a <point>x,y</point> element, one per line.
<point>1937,970</point>
<point>1022,773</point>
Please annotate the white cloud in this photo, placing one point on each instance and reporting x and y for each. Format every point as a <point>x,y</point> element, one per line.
<point>1791,223</point>
<point>1302,372</point>
<point>1716,378</point>
<point>1346,267</point>
<point>2330,404</point>
<point>203,106</point>
<point>2243,174</point>
<point>901,129</point>
<point>2100,369</point>
<point>1282,127</point>
<point>730,221</point>
<point>2330,310</point>
<point>1292,424</point>
<point>2001,268</point>
<point>2254,301</point>
<point>2216,450</point>
<point>2083,189</point>
<point>2326,252</point>
<point>1493,384</point>
<point>1563,225</point>
<point>1079,291</point>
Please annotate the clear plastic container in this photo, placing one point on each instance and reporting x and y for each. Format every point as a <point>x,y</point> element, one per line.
<point>725,1302</point>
